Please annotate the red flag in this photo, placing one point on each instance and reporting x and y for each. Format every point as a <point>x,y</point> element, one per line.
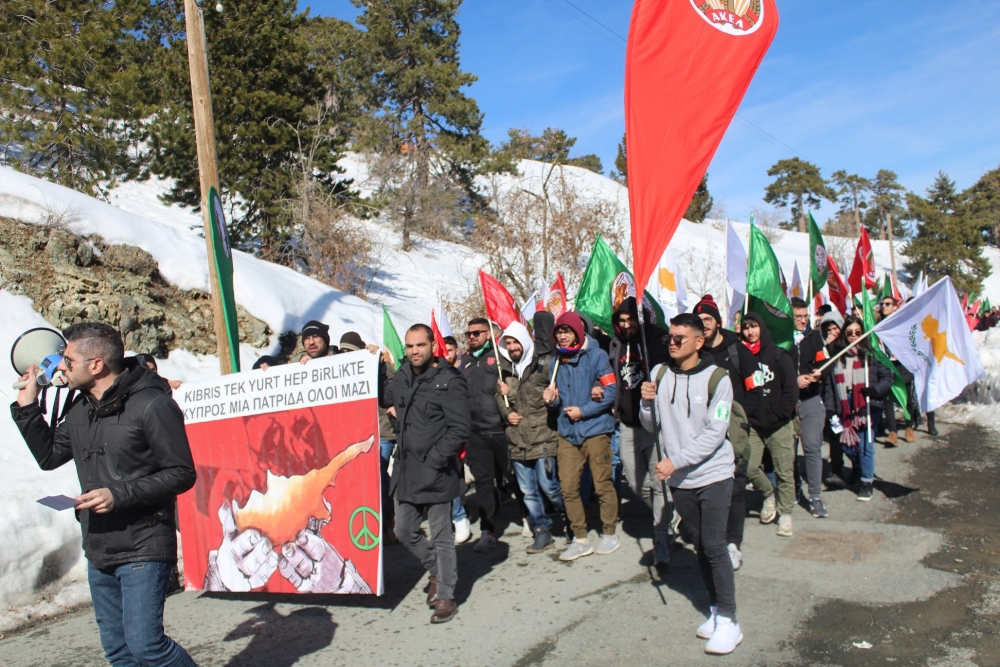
<point>836,287</point>
<point>500,306</point>
<point>555,301</point>
<point>687,68</point>
<point>440,348</point>
<point>864,265</point>
<point>965,302</point>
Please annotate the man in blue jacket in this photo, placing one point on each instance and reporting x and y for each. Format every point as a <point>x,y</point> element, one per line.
<point>585,427</point>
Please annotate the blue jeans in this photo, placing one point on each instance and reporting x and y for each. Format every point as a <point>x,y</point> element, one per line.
<point>128,603</point>
<point>863,456</point>
<point>533,480</point>
<point>457,510</point>
<point>385,448</point>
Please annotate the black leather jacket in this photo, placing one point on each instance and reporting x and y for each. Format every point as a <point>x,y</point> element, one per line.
<point>132,442</point>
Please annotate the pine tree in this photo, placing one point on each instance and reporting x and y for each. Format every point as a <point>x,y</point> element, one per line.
<point>948,241</point>
<point>621,164</point>
<point>887,204</point>
<point>74,87</point>
<point>984,205</point>
<point>701,202</point>
<point>851,191</point>
<point>798,184</point>
<point>413,45</point>
<point>262,91</point>
<point>589,161</point>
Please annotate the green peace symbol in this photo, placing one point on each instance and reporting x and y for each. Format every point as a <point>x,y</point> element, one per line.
<point>364,539</point>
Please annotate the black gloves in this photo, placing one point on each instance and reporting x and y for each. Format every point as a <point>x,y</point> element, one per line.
<point>869,392</point>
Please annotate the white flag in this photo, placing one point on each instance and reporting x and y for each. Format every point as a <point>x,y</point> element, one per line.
<point>918,285</point>
<point>930,337</point>
<point>795,289</point>
<point>530,307</point>
<point>734,305</point>
<point>442,321</point>
<point>736,261</point>
<point>667,284</point>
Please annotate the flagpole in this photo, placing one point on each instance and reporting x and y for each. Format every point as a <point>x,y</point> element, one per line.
<point>649,377</point>
<point>844,351</point>
<point>496,352</point>
<point>868,406</point>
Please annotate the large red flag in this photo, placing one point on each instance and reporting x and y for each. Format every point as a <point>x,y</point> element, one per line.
<point>555,300</point>
<point>500,306</point>
<point>687,68</point>
<point>440,348</point>
<point>836,287</point>
<point>864,265</point>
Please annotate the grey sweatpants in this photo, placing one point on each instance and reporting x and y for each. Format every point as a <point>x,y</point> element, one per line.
<point>812,414</point>
<point>437,555</point>
<point>638,454</point>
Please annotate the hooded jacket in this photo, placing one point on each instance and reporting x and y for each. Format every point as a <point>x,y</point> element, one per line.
<point>742,378</point>
<point>481,376</point>
<point>535,436</point>
<point>576,375</point>
<point>627,361</point>
<point>879,377</point>
<point>692,427</point>
<point>810,354</point>
<point>780,382</point>
<point>432,423</point>
<point>132,442</point>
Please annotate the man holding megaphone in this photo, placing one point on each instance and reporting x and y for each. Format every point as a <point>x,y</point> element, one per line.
<point>126,435</point>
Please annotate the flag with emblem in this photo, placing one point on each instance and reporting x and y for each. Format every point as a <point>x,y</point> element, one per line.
<point>390,339</point>
<point>687,67</point>
<point>668,285</point>
<point>555,296</point>
<point>796,289</point>
<point>606,283</point>
<point>930,337</point>
<point>836,288</point>
<point>818,266</point>
<point>765,293</point>
<point>898,384</point>
<point>863,270</point>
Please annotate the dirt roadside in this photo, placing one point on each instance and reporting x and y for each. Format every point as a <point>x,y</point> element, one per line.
<point>959,495</point>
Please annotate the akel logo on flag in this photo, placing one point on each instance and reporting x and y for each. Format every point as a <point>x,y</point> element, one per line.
<point>733,17</point>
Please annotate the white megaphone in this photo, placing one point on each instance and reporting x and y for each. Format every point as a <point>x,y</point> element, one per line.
<point>44,348</point>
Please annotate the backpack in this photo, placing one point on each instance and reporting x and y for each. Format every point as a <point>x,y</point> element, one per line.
<point>739,426</point>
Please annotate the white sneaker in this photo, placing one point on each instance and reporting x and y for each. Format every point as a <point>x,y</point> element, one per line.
<point>608,545</point>
<point>785,526</point>
<point>736,556</point>
<point>726,638</point>
<point>577,549</point>
<point>769,511</point>
<point>707,629</point>
<point>463,531</point>
<point>526,529</point>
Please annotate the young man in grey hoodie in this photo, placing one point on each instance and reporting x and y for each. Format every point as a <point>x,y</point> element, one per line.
<point>693,398</point>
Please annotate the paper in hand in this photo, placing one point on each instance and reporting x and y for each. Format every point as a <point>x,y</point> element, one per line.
<point>58,503</point>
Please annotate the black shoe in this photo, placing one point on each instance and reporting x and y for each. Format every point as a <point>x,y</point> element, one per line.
<point>866,492</point>
<point>543,541</point>
<point>834,482</point>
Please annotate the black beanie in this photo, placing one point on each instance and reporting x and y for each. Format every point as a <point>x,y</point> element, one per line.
<point>314,328</point>
<point>707,305</point>
<point>351,342</point>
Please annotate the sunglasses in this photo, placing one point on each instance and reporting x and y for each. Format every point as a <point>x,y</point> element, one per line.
<point>473,334</point>
<point>677,341</point>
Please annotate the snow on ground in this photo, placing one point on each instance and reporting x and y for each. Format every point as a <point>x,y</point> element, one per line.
<point>41,565</point>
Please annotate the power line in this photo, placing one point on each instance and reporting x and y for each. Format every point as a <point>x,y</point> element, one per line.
<point>760,131</point>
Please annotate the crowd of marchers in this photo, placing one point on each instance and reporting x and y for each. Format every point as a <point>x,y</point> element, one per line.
<point>686,417</point>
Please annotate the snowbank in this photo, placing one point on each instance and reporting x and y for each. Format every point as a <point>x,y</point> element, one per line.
<point>980,402</point>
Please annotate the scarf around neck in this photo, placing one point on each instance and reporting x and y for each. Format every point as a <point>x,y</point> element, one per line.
<point>849,380</point>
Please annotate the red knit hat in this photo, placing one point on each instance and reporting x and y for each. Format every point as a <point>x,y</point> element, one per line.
<point>573,321</point>
<point>707,306</point>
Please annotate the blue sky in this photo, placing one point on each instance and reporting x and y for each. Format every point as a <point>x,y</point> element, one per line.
<point>911,87</point>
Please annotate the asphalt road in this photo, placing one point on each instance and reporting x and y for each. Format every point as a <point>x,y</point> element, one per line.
<point>890,573</point>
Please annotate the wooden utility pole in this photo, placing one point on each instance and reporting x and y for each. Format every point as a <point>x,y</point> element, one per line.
<point>892,250</point>
<point>208,166</point>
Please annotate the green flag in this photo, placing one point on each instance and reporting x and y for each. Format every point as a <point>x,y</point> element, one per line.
<point>819,266</point>
<point>606,282</point>
<point>222,256</point>
<point>765,296</point>
<point>887,287</point>
<point>898,385</point>
<point>986,306</point>
<point>391,339</point>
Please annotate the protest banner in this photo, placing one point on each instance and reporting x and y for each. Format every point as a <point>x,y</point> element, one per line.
<point>288,495</point>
